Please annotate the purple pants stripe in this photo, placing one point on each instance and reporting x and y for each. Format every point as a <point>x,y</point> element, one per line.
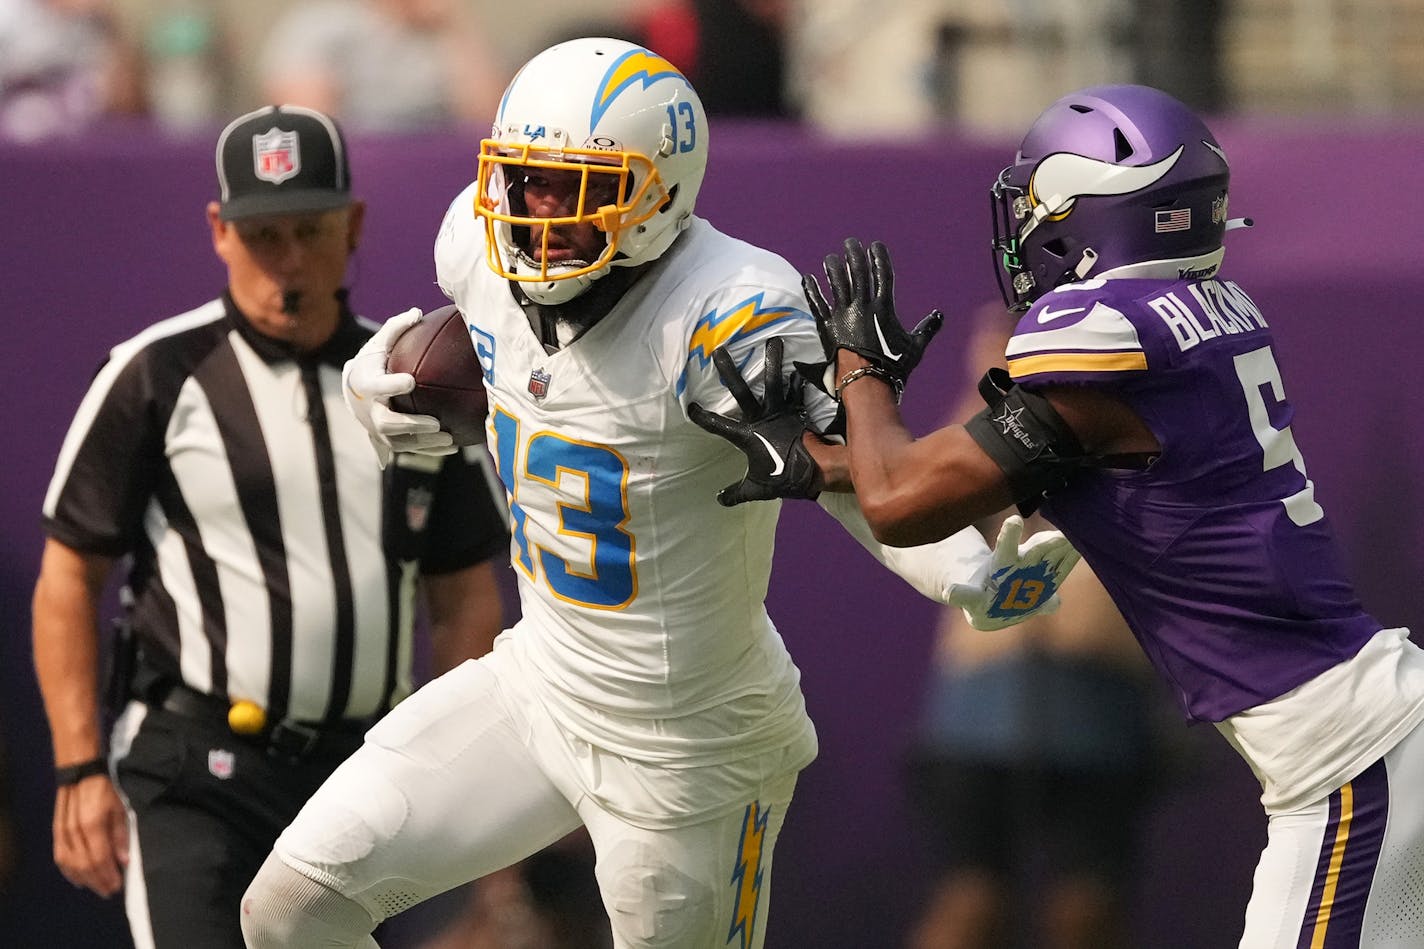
<point>1349,852</point>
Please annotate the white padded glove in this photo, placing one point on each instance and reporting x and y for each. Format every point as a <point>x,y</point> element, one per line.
<point>1019,580</point>
<point>367,388</point>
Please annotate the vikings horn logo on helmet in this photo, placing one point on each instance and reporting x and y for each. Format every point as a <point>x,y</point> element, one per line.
<point>1060,179</point>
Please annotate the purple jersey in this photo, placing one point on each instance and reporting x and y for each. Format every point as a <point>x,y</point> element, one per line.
<point>1218,556</point>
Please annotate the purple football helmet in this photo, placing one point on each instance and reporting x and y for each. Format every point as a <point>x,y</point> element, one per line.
<point>1106,178</point>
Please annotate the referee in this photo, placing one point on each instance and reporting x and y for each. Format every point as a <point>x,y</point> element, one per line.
<point>271,564</point>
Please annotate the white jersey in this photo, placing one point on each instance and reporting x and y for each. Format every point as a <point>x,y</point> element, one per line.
<point>642,597</point>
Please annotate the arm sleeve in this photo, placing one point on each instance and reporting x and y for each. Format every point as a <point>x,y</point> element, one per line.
<point>932,569</point>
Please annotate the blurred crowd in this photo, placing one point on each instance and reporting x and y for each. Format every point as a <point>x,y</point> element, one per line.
<point>853,68</point>
<point>847,67</point>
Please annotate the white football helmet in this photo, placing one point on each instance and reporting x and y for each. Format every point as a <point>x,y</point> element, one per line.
<point>625,120</point>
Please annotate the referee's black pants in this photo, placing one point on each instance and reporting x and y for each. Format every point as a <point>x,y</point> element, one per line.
<point>208,806</point>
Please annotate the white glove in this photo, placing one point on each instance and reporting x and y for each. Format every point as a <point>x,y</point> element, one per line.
<point>1018,581</point>
<point>367,388</point>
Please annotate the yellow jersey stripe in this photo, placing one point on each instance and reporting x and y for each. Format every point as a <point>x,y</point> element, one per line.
<point>1077,362</point>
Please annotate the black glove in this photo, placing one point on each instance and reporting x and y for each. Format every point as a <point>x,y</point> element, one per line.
<point>863,318</point>
<point>768,433</point>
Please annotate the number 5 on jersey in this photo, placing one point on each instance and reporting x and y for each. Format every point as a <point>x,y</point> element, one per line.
<point>1258,372</point>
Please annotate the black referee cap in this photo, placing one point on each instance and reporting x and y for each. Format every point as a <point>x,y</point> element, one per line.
<point>282,159</point>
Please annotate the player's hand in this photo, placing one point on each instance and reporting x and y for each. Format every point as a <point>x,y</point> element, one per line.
<point>1019,580</point>
<point>91,835</point>
<point>367,388</point>
<point>861,315</point>
<point>769,432</point>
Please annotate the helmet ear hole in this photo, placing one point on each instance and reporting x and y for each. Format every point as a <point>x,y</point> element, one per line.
<point>1056,248</point>
<point>1121,144</point>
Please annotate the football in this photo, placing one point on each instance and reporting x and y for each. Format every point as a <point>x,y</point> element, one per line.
<point>449,382</point>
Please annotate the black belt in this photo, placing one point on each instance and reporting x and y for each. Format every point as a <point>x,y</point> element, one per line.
<point>290,740</point>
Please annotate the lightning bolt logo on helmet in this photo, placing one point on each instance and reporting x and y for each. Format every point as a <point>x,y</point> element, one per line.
<point>632,66</point>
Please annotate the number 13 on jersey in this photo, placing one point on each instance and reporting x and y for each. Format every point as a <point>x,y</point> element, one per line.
<point>590,559</point>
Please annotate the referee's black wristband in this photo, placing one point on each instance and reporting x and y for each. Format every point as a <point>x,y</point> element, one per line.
<point>64,777</point>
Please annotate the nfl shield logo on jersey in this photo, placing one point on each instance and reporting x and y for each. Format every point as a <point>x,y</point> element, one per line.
<point>221,763</point>
<point>276,155</point>
<point>539,383</point>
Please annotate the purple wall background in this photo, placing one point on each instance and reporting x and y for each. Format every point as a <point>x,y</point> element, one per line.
<point>104,235</point>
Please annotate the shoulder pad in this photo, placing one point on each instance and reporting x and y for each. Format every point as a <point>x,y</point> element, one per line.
<point>1075,334</point>
<point>460,241</point>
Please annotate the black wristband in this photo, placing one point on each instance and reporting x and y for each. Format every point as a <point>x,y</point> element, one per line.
<point>64,777</point>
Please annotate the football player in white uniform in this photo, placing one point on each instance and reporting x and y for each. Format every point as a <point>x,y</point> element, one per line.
<point>645,693</point>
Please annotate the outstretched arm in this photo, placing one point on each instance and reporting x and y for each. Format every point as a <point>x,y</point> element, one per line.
<point>913,491</point>
<point>995,588</point>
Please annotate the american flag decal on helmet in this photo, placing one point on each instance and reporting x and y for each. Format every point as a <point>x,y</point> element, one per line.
<point>1177,219</point>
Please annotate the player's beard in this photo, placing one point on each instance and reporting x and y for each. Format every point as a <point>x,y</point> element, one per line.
<point>585,310</point>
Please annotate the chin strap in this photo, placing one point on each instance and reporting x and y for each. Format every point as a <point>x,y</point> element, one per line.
<point>1239,222</point>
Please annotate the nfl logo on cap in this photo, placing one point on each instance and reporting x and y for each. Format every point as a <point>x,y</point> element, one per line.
<point>282,159</point>
<point>276,155</point>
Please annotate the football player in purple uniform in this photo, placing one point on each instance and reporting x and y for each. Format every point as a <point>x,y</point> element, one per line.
<point>1143,410</point>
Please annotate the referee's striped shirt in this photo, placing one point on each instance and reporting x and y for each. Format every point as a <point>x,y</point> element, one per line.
<point>272,559</point>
